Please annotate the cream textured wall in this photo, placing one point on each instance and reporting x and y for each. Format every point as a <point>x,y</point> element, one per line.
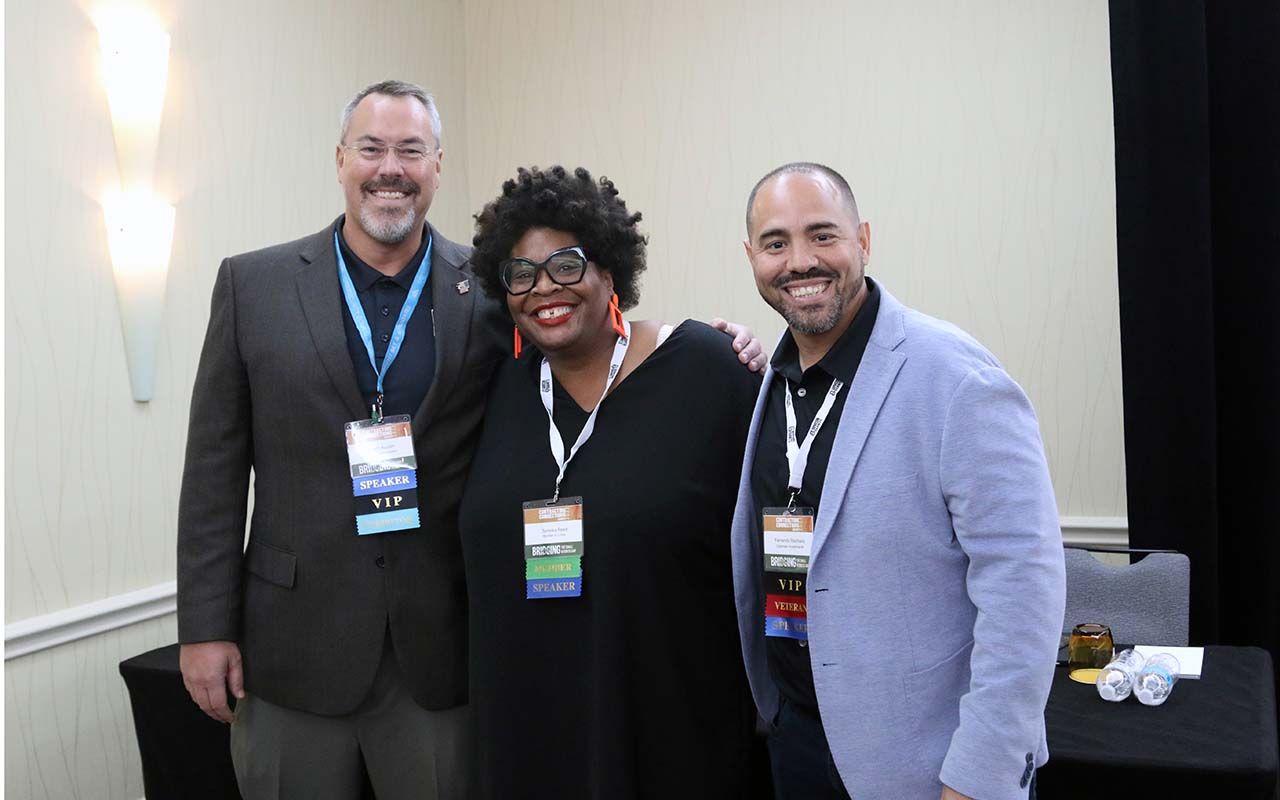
<point>246,156</point>
<point>977,136</point>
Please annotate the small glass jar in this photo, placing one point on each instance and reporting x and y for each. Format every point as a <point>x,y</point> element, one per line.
<point>1089,650</point>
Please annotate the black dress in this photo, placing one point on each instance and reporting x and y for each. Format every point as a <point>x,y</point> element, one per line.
<point>636,689</point>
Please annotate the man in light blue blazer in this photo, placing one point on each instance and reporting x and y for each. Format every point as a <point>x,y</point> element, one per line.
<point>897,552</point>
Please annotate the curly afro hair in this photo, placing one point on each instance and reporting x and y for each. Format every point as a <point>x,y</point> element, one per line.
<point>574,203</point>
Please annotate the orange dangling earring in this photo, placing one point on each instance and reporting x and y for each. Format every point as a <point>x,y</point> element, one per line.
<point>518,343</point>
<point>615,315</point>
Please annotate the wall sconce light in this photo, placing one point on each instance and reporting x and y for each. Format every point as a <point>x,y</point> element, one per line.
<point>135,69</point>
<point>135,66</point>
<point>139,236</point>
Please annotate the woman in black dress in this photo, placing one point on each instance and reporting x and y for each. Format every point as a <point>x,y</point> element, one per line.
<point>605,661</point>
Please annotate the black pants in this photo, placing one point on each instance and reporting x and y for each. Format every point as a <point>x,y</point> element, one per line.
<point>802,765</point>
<point>803,768</point>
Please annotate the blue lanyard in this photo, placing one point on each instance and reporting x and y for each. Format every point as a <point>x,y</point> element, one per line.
<point>362,322</point>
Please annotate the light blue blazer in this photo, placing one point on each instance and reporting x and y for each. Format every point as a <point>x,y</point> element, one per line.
<point>936,585</point>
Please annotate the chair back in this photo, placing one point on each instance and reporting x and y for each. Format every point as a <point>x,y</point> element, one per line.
<point>1143,603</point>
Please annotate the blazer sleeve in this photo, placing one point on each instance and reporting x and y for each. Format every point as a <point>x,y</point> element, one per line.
<point>997,489</point>
<point>215,479</point>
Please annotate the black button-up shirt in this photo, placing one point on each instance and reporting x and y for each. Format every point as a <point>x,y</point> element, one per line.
<point>382,297</point>
<point>788,658</point>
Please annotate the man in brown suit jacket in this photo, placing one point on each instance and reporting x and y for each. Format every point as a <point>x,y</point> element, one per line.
<point>341,649</point>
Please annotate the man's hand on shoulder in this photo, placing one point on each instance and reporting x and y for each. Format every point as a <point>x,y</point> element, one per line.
<point>745,344</point>
<point>951,794</point>
<point>208,669</point>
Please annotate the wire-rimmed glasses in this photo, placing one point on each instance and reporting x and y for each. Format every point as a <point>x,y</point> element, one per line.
<point>374,152</point>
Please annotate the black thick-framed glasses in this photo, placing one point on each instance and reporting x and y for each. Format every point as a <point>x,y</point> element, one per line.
<point>565,267</point>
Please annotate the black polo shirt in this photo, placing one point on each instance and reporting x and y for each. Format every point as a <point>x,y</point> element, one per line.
<point>788,658</point>
<point>382,297</point>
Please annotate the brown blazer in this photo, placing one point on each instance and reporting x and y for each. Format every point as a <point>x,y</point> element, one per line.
<point>308,600</point>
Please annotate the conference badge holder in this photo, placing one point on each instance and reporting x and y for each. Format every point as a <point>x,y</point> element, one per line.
<point>384,474</point>
<point>553,527</point>
<point>553,548</point>
<point>788,544</point>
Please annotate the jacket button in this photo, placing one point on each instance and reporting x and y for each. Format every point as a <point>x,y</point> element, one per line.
<point>380,561</point>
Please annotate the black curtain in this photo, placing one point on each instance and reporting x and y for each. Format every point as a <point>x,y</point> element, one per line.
<point>1197,120</point>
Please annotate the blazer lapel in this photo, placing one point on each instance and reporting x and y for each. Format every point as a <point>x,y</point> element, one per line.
<point>746,510</point>
<point>320,295</point>
<point>748,565</point>
<point>451,314</point>
<point>875,376</point>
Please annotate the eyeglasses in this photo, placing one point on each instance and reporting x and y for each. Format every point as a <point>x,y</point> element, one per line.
<point>376,152</point>
<point>565,267</point>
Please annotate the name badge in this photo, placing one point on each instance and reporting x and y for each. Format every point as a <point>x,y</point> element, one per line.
<point>552,548</point>
<point>788,544</point>
<point>384,474</point>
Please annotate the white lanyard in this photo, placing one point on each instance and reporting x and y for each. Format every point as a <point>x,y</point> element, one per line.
<point>548,402</point>
<point>798,452</point>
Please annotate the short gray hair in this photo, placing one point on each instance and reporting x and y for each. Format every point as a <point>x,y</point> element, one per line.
<point>393,88</point>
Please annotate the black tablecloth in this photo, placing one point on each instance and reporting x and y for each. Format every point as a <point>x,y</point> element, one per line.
<point>1214,737</point>
<point>185,754</point>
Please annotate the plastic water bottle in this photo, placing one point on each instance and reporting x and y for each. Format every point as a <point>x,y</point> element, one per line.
<point>1156,678</point>
<point>1115,681</point>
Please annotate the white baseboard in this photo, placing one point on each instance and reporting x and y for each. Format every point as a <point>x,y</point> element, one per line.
<point>50,630</point>
<point>80,622</point>
<point>1095,531</point>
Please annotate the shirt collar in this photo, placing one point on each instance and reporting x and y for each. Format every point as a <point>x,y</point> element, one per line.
<point>364,276</point>
<point>841,361</point>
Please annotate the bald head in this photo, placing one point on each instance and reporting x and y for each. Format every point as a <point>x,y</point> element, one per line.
<point>820,171</point>
<point>808,253</point>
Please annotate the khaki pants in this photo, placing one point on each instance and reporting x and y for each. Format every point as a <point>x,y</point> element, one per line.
<point>410,753</point>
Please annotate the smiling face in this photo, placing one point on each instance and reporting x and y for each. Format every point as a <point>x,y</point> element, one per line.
<point>808,253</point>
<point>561,318</point>
<point>389,198</point>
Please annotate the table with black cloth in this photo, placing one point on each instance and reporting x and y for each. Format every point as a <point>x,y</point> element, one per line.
<point>1214,737</point>
<point>185,754</point>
